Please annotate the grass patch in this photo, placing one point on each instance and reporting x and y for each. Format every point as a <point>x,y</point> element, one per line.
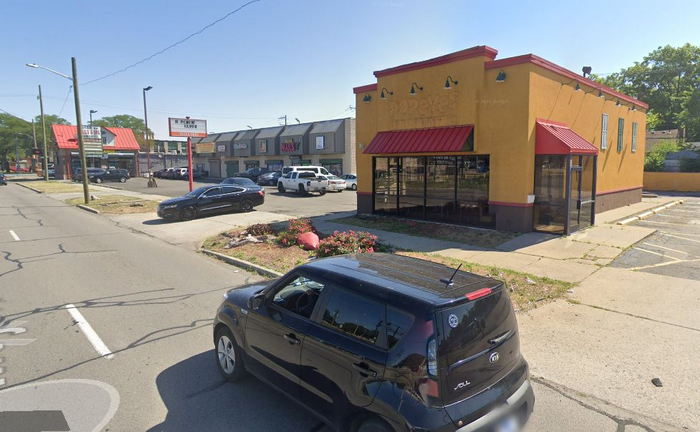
<point>118,204</point>
<point>53,186</point>
<point>462,234</point>
<point>526,291</point>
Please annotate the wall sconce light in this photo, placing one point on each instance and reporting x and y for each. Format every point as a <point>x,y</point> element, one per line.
<point>600,94</point>
<point>414,86</point>
<point>634,108</point>
<point>617,103</point>
<point>578,86</point>
<point>385,93</point>
<point>448,81</point>
<point>367,98</point>
<point>501,77</point>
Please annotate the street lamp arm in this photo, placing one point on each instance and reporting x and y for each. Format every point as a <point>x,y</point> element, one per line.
<point>36,66</point>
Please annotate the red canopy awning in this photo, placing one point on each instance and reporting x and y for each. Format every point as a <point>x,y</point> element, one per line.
<point>430,140</point>
<point>554,138</point>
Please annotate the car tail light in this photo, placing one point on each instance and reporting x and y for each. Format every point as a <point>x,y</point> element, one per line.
<point>478,293</point>
<point>261,192</point>
<point>432,357</point>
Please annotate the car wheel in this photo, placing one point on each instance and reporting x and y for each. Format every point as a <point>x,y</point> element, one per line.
<point>373,425</point>
<point>187,213</point>
<point>122,180</point>
<point>353,187</point>
<point>246,205</point>
<point>322,192</point>
<point>280,188</point>
<point>227,355</point>
<point>302,189</point>
<point>98,180</point>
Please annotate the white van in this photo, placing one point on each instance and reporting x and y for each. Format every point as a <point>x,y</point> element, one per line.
<point>312,168</point>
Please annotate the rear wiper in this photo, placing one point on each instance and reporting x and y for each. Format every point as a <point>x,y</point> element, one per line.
<point>499,339</point>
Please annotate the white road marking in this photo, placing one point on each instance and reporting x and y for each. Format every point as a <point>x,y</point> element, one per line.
<point>14,235</point>
<point>90,334</point>
<point>667,248</point>
<point>655,253</point>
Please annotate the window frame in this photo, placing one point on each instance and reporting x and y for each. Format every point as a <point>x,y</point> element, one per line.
<point>604,121</point>
<point>635,128</point>
<point>280,285</point>
<point>620,134</point>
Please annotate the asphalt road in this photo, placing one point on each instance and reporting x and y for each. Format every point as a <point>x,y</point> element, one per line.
<point>674,249</point>
<point>73,284</point>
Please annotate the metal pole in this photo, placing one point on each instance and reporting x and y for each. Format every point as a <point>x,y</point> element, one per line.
<point>145,133</point>
<point>45,163</point>
<point>81,149</point>
<point>189,160</point>
<point>35,147</point>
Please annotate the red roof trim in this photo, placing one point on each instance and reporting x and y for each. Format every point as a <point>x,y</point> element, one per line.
<point>477,51</point>
<point>428,140</point>
<point>553,138</point>
<point>546,64</point>
<point>365,88</point>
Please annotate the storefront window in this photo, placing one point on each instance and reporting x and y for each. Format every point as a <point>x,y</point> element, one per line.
<point>334,166</point>
<point>274,165</point>
<point>473,190</point>
<point>385,184</point>
<point>412,187</point>
<point>440,188</point>
<point>252,164</point>
<point>262,146</point>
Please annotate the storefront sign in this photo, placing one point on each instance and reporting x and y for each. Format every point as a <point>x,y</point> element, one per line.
<point>184,127</point>
<point>289,147</point>
<point>262,146</point>
<point>240,146</point>
<point>320,142</point>
<point>221,148</point>
<point>92,140</point>
<point>204,147</point>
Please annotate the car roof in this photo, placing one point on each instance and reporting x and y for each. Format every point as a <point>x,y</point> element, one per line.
<point>403,276</point>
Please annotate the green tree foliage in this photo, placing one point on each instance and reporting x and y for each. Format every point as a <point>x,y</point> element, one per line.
<point>668,79</point>
<point>654,160</point>
<point>16,133</point>
<point>126,121</point>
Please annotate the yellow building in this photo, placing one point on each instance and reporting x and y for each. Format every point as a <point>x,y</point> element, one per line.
<point>517,144</point>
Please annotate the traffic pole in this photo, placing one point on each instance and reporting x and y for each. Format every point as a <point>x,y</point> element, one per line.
<point>189,160</point>
<point>78,120</point>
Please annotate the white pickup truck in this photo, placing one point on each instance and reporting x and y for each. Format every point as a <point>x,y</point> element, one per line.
<point>302,182</point>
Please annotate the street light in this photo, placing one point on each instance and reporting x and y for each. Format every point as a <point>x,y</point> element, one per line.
<point>91,113</point>
<point>78,120</point>
<point>145,133</point>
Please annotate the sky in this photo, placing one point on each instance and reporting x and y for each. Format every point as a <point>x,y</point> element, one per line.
<point>296,58</point>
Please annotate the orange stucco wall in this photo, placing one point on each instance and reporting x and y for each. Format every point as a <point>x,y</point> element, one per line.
<point>672,181</point>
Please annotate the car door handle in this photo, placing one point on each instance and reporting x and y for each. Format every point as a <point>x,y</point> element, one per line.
<point>292,339</point>
<point>364,369</point>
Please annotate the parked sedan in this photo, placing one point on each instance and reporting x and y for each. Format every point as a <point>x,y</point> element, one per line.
<point>335,184</point>
<point>253,173</point>
<point>120,175</point>
<point>209,200</point>
<point>242,182</point>
<point>3,181</point>
<point>350,180</point>
<point>270,178</point>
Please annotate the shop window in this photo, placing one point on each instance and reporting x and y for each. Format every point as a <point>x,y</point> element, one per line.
<point>306,162</point>
<point>620,134</point>
<point>604,132</point>
<point>275,165</point>
<point>412,187</point>
<point>473,191</point>
<point>440,187</point>
<point>320,142</point>
<point>385,185</point>
<point>634,137</point>
<point>252,164</point>
<point>262,146</point>
<point>334,166</point>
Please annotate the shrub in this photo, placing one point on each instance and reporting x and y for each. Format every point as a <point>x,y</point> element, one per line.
<point>654,160</point>
<point>286,238</point>
<point>347,242</point>
<point>260,229</point>
<point>300,226</point>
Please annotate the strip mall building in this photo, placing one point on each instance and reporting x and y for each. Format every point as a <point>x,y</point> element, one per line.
<point>517,144</point>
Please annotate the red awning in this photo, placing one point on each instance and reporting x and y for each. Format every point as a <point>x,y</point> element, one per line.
<point>554,138</point>
<point>431,140</point>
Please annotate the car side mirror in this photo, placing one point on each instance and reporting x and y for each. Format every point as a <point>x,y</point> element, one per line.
<point>256,301</point>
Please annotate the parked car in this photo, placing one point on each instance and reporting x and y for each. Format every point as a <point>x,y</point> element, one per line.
<point>313,168</point>
<point>51,169</point>
<point>3,180</point>
<point>380,342</point>
<point>253,173</point>
<point>160,172</point>
<point>335,183</point>
<point>78,176</point>
<point>351,180</point>
<point>208,200</point>
<point>302,182</point>
<point>101,175</point>
<point>269,178</point>
<point>241,181</point>
<point>180,173</point>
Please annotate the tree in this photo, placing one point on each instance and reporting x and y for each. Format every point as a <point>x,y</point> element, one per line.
<point>16,134</point>
<point>668,79</point>
<point>126,121</point>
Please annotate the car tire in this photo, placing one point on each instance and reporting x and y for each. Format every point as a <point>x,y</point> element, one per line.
<point>353,187</point>
<point>280,188</point>
<point>373,424</point>
<point>122,180</point>
<point>322,192</point>
<point>188,213</point>
<point>302,189</point>
<point>246,205</point>
<point>98,180</point>
<point>228,356</point>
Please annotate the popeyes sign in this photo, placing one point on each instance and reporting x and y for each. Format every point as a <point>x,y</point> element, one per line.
<point>187,127</point>
<point>290,146</point>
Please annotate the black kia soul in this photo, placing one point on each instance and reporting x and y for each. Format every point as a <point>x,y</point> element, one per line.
<point>378,342</point>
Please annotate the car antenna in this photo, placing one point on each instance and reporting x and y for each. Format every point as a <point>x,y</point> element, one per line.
<point>449,282</point>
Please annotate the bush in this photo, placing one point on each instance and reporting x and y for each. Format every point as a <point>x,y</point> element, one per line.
<point>294,228</point>
<point>347,242</point>
<point>260,229</point>
<point>654,160</point>
<point>286,238</point>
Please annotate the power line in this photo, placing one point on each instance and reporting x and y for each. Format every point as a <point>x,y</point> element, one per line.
<point>70,87</point>
<point>200,31</point>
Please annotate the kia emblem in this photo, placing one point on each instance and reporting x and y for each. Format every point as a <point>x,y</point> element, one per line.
<point>493,358</point>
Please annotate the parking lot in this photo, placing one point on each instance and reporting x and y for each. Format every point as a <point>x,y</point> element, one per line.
<point>674,249</point>
<point>275,202</point>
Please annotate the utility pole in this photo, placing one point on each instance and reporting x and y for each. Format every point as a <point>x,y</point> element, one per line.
<point>35,147</point>
<point>145,133</point>
<point>45,163</point>
<point>81,149</point>
<point>285,119</point>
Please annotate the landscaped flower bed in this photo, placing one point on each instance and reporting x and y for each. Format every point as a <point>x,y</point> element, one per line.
<point>278,248</point>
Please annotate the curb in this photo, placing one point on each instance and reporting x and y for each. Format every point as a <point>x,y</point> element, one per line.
<point>29,187</point>
<point>242,264</point>
<point>86,208</point>
<point>648,213</point>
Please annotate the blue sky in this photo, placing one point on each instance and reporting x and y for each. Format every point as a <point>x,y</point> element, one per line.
<point>299,58</point>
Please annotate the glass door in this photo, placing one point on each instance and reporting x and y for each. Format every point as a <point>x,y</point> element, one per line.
<point>581,192</point>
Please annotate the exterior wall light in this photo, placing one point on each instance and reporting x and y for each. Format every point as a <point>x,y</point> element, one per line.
<point>367,98</point>
<point>501,77</point>
<point>578,86</point>
<point>617,103</point>
<point>449,81</point>
<point>385,93</point>
<point>414,86</point>
<point>600,94</point>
